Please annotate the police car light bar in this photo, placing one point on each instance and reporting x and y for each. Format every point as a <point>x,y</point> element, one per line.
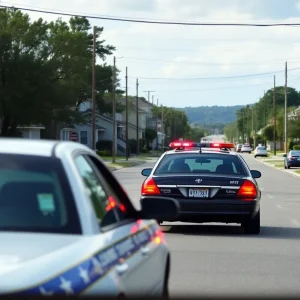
<point>184,145</point>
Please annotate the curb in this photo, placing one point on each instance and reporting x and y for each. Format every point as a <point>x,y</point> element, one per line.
<point>118,168</point>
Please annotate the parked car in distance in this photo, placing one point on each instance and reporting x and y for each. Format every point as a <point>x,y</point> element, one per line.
<point>260,151</point>
<point>238,147</point>
<point>246,148</point>
<point>292,159</point>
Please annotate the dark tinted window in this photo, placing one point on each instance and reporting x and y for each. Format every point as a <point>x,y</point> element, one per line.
<point>35,196</point>
<point>261,148</point>
<point>200,163</point>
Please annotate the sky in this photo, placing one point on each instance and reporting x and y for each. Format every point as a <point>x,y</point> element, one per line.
<point>189,66</point>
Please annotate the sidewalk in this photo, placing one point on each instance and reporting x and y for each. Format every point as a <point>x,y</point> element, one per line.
<point>277,161</point>
<point>132,162</point>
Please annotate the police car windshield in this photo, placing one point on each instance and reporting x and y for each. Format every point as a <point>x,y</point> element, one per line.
<point>195,163</point>
<point>35,196</point>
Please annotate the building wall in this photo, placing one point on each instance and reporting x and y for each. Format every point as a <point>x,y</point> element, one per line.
<point>35,134</point>
<point>31,133</point>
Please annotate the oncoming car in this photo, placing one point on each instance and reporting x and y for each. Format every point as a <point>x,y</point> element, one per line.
<point>68,227</point>
<point>211,185</point>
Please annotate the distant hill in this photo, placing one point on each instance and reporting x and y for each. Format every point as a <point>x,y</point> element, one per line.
<point>211,114</point>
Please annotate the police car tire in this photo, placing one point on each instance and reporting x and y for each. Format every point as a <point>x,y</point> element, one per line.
<point>252,226</point>
<point>165,294</point>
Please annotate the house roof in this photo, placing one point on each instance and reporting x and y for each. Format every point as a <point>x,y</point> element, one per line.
<point>89,111</point>
<point>97,126</point>
<point>37,126</point>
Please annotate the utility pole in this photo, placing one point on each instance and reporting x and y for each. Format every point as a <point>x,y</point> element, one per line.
<point>253,126</point>
<point>94,90</point>
<point>265,116</point>
<point>149,97</point>
<point>162,127</point>
<point>137,118</point>
<point>157,129</point>
<point>274,115</point>
<point>114,111</point>
<point>152,99</point>
<point>127,148</point>
<point>285,113</point>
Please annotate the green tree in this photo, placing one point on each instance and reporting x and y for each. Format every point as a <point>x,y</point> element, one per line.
<point>150,135</point>
<point>196,133</point>
<point>175,121</point>
<point>231,132</point>
<point>44,68</point>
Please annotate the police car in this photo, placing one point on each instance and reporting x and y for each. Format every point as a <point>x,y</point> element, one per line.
<point>67,227</point>
<point>210,182</point>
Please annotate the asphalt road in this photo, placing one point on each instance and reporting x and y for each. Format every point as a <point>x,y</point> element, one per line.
<point>217,259</point>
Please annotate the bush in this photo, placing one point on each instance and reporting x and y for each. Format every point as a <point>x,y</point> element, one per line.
<point>132,145</point>
<point>105,145</point>
<point>104,153</point>
<point>296,147</point>
<point>144,150</point>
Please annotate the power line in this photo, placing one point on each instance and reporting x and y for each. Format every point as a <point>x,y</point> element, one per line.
<point>149,21</point>
<point>208,64</point>
<point>192,50</point>
<point>208,78</point>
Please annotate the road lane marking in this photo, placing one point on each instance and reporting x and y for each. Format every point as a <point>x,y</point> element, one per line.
<point>295,222</point>
<point>279,206</point>
<point>270,196</point>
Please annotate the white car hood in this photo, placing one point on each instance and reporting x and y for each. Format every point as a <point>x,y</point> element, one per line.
<point>26,259</point>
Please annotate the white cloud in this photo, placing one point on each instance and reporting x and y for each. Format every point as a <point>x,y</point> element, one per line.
<point>208,51</point>
<point>298,5</point>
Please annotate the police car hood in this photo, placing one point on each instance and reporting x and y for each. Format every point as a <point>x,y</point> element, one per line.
<point>26,256</point>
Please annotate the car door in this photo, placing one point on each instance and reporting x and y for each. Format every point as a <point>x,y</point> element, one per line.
<point>138,260</point>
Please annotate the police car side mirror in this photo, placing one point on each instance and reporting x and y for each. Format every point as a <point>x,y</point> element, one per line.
<point>146,172</point>
<point>255,174</point>
<point>159,208</point>
<point>284,155</point>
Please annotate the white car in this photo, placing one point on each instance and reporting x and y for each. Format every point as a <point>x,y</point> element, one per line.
<point>260,151</point>
<point>68,227</point>
<point>246,148</point>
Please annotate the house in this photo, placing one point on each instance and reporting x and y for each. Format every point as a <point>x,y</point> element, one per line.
<point>294,115</point>
<point>143,112</point>
<point>32,132</point>
<point>103,126</point>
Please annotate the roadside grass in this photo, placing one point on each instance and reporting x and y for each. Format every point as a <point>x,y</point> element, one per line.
<point>280,166</point>
<point>272,162</point>
<point>277,152</point>
<point>298,171</point>
<point>123,164</point>
<point>109,158</point>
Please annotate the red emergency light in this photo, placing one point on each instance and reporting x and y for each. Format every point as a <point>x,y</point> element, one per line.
<point>189,144</point>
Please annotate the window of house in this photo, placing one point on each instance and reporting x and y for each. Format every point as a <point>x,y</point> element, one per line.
<point>83,137</point>
<point>65,134</point>
<point>99,135</point>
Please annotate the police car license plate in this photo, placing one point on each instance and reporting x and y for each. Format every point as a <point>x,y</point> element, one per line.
<point>198,193</point>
